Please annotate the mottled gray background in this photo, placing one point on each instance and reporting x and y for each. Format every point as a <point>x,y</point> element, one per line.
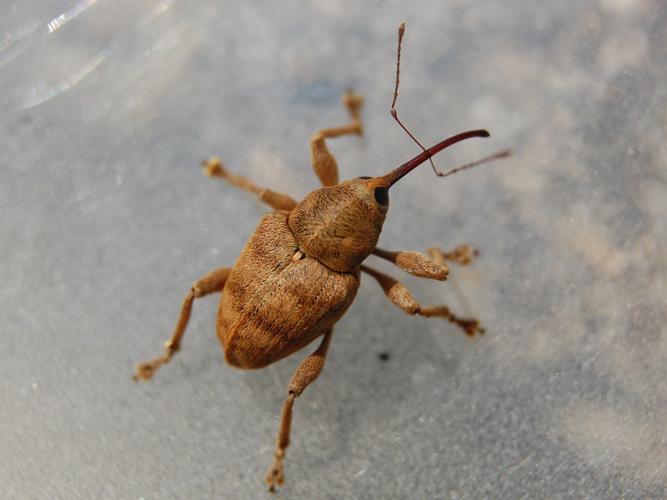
<point>107,108</point>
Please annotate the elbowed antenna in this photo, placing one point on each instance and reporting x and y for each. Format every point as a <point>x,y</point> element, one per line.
<point>392,177</point>
<point>393,111</point>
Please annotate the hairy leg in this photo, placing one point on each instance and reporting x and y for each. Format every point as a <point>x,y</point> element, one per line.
<point>211,283</point>
<point>324,163</point>
<point>304,375</point>
<point>213,167</point>
<point>399,295</point>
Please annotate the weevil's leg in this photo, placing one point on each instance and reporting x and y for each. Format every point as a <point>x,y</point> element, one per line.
<point>303,376</point>
<point>212,282</point>
<point>323,161</point>
<point>415,263</point>
<point>400,296</point>
<point>462,255</point>
<point>213,167</point>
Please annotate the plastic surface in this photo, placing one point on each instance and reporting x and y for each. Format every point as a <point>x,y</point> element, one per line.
<point>106,110</point>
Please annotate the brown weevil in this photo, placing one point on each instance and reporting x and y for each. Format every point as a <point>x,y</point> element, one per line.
<point>300,270</point>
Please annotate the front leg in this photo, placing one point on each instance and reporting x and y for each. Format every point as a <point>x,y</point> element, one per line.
<point>415,263</point>
<point>462,255</point>
<point>434,268</point>
<point>324,163</point>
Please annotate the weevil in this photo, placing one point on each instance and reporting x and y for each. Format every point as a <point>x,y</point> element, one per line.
<point>300,271</point>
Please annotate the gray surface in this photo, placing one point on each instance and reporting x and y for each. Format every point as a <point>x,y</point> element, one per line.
<point>106,220</point>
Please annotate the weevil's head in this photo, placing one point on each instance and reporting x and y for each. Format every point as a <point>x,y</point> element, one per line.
<point>340,225</point>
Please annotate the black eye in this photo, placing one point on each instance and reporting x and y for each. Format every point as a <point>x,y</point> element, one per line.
<point>365,177</point>
<point>381,195</point>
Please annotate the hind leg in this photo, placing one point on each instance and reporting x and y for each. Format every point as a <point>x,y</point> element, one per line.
<point>305,374</point>
<point>324,163</point>
<point>211,283</point>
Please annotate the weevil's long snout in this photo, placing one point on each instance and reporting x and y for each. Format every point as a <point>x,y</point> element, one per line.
<point>392,177</point>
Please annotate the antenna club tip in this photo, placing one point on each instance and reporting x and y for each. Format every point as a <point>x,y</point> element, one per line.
<point>401,28</point>
<point>484,133</point>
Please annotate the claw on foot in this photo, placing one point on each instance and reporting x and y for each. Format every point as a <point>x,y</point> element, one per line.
<point>462,255</point>
<point>275,476</point>
<point>470,326</point>
<point>352,101</point>
<point>213,167</point>
<point>146,370</point>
